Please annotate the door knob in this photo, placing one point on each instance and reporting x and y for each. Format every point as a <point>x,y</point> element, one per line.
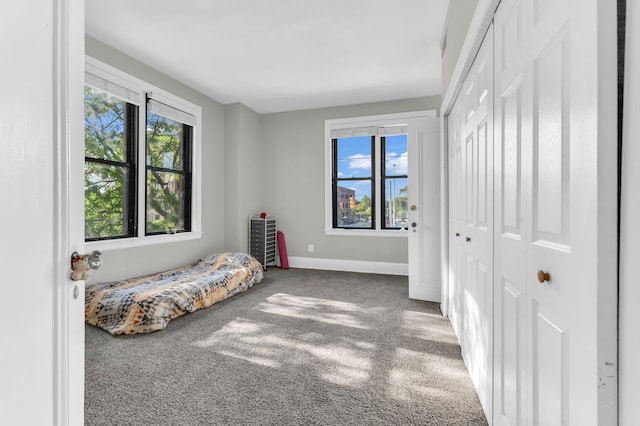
<point>413,224</point>
<point>413,207</point>
<point>543,276</point>
<point>468,239</point>
<point>457,234</point>
<point>81,263</point>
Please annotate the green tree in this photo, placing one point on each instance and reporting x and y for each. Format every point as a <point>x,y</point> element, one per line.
<point>105,183</point>
<point>108,175</point>
<point>165,185</point>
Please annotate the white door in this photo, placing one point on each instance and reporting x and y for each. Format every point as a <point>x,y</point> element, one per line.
<point>552,314</point>
<point>470,148</point>
<point>456,222</point>
<point>424,209</point>
<point>42,355</point>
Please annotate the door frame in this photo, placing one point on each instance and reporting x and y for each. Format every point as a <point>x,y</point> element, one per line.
<point>68,220</point>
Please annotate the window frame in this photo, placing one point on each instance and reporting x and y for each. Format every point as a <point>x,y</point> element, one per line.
<point>380,122</point>
<point>384,178</point>
<point>335,182</point>
<point>131,123</point>
<point>140,89</point>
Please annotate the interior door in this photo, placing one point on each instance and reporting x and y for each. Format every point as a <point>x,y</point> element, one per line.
<point>470,148</point>
<point>547,264</point>
<point>424,223</point>
<point>510,381</point>
<point>456,223</point>
<point>477,234</point>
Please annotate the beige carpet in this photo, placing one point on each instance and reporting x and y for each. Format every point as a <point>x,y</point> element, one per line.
<point>302,348</point>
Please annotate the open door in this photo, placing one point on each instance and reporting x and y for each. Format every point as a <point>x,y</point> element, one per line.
<point>424,209</point>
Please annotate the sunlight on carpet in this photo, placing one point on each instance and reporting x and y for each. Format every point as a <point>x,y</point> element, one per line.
<point>323,310</point>
<point>344,363</point>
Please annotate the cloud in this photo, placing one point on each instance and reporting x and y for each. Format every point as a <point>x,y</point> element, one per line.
<point>360,161</point>
<point>400,161</point>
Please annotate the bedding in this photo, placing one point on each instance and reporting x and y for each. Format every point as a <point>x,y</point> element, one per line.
<point>145,304</point>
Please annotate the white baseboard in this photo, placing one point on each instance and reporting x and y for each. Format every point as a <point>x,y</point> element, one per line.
<point>369,267</point>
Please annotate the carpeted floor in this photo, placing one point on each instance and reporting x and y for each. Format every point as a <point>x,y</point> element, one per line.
<point>303,347</point>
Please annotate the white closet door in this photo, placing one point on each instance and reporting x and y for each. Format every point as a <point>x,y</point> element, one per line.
<point>510,381</point>
<point>547,175</point>
<point>456,195</point>
<point>471,220</point>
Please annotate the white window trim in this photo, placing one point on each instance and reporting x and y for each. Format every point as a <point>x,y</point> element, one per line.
<point>353,122</point>
<point>112,74</point>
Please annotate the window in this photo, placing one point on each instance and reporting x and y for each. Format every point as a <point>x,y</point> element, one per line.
<point>168,174</point>
<point>141,161</point>
<point>110,163</point>
<point>368,179</point>
<point>353,182</point>
<point>395,181</point>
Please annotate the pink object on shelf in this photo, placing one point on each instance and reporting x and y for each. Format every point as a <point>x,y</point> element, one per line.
<point>282,249</point>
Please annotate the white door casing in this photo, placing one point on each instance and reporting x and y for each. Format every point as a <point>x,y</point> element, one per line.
<point>68,84</point>
<point>471,220</point>
<point>553,340</point>
<point>424,223</point>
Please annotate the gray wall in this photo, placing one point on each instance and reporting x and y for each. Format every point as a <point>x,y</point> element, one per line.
<point>456,25</point>
<point>253,163</point>
<point>293,174</point>
<point>243,173</point>
<point>136,261</point>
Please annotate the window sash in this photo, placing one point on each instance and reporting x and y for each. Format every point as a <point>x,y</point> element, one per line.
<point>336,183</point>
<point>130,165</point>
<point>185,173</point>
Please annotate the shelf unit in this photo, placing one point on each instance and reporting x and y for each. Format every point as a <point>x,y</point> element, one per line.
<point>262,239</point>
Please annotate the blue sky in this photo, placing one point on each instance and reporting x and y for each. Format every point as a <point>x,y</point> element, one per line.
<point>354,160</point>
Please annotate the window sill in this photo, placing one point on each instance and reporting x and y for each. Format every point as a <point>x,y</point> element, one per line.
<point>123,243</point>
<point>402,233</point>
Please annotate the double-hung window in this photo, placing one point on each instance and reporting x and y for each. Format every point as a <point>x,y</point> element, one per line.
<point>367,187</point>
<point>141,161</point>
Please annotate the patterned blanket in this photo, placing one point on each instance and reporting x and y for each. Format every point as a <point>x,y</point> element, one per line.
<point>148,303</point>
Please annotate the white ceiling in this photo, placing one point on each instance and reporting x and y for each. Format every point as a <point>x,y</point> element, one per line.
<point>282,55</point>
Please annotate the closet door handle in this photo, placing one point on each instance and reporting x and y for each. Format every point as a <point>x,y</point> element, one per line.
<point>543,276</point>
<point>468,239</point>
<point>457,234</point>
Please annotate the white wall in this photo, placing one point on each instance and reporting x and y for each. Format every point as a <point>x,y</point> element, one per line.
<point>293,173</point>
<point>243,173</point>
<point>128,263</point>
<point>629,308</point>
<point>456,25</point>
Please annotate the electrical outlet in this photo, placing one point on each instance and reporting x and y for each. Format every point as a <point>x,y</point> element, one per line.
<point>310,248</point>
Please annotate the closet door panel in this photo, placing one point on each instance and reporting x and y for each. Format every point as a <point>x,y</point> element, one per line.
<point>456,197</point>
<point>553,324</point>
<point>508,397</point>
<point>472,233</point>
<point>553,270</point>
<point>551,146</point>
<point>511,162</point>
<point>550,366</point>
<point>510,342</point>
